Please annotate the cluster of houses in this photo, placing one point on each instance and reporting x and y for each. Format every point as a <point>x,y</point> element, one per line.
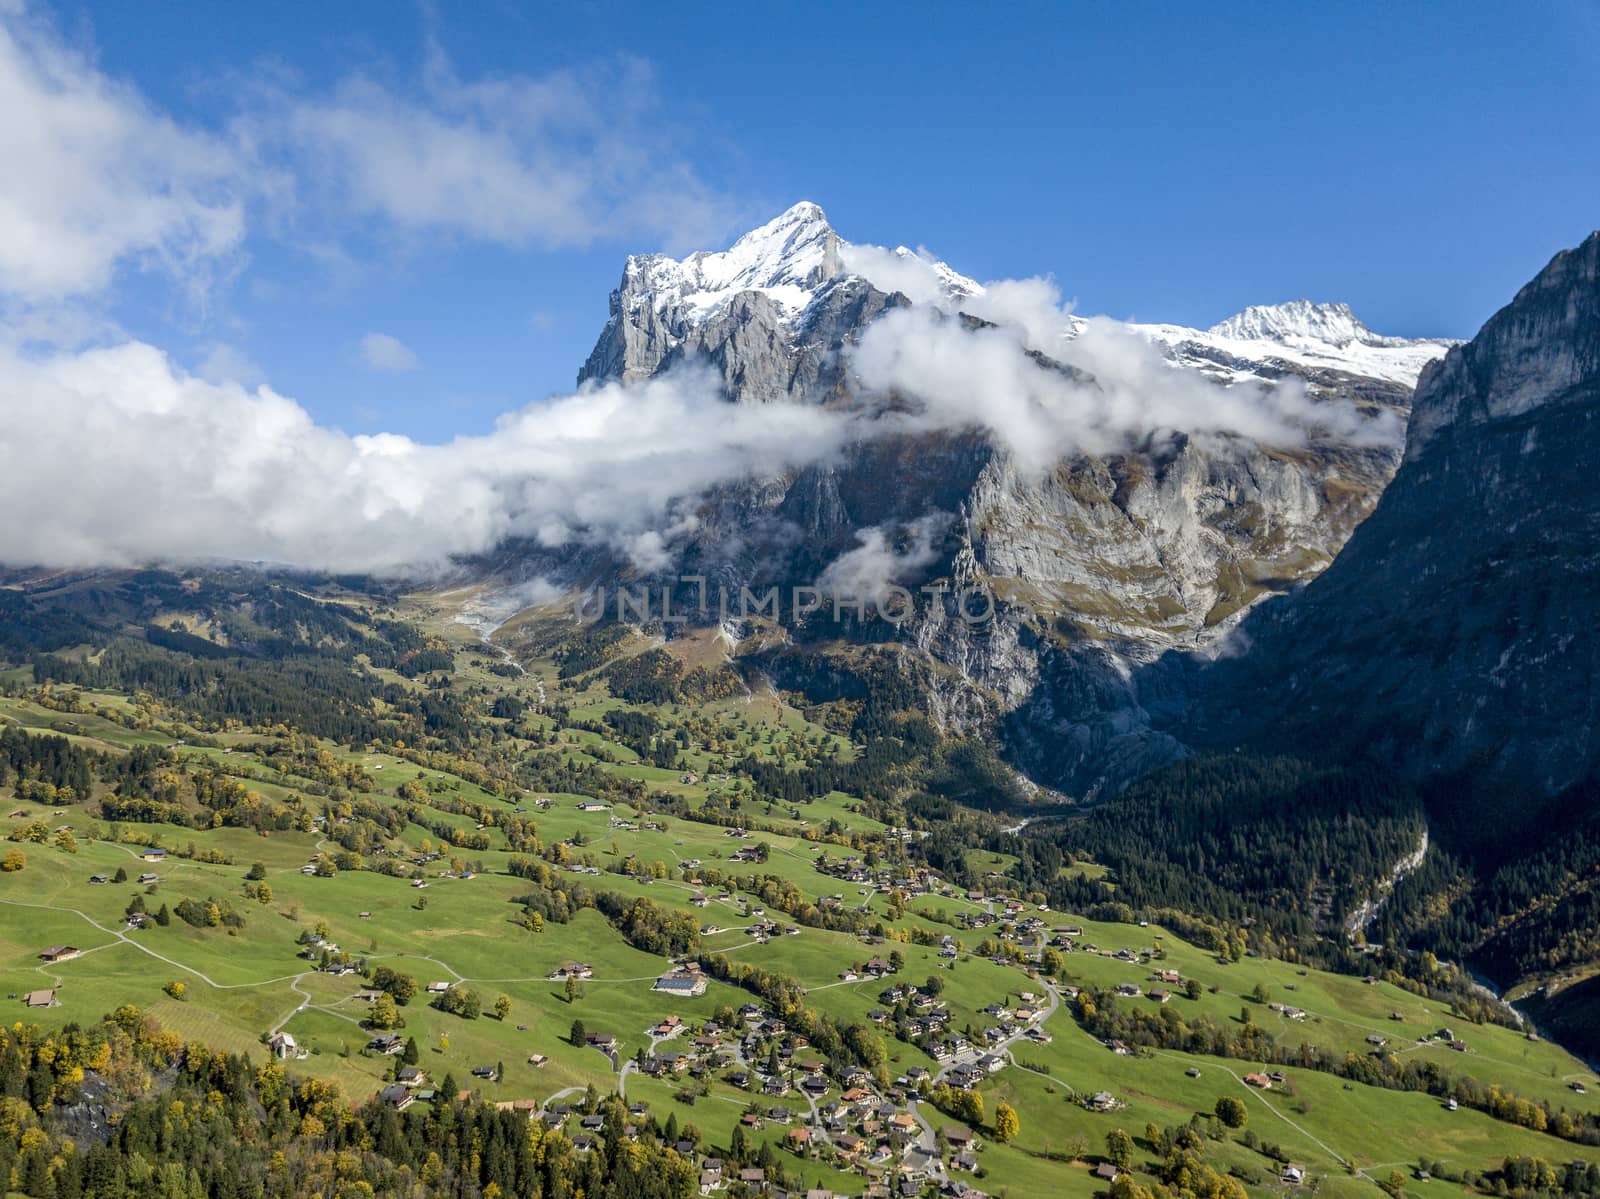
<point>329,957</point>
<point>586,1129</point>
<point>911,881</point>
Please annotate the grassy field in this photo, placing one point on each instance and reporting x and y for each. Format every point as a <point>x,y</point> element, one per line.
<point>242,984</point>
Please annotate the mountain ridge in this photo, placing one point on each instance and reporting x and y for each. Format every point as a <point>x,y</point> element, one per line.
<point>794,259</point>
<point>1100,563</point>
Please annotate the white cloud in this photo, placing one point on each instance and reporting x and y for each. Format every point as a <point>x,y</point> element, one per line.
<point>96,180</point>
<point>884,558</point>
<point>1117,393</point>
<point>913,273</point>
<point>381,352</point>
<point>167,466</point>
<point>93,177</point>
<point>557,160</point>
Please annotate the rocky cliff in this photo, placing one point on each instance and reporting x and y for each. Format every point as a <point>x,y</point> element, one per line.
<point>1455,632</point>
<point>1102,562</point>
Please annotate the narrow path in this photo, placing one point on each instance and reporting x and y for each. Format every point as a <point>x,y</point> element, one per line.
<point>1254,1093</point>
<point>559,1096</point>
<point>127,940</point>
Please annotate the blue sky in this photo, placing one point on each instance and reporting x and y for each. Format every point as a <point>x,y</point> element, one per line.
<point>1170,163</point>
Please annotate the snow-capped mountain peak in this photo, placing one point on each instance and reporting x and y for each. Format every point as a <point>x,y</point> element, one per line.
<point>790,259</point>
<point>787,259</point>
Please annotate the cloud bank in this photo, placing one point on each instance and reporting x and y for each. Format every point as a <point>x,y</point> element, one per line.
<point>1116,393</point>
<point>115,455</point>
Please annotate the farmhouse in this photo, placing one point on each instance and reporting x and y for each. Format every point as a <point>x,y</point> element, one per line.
<point>958,1138</point>
<point>60,953</point>
<point>681,982</point>
<point>40,999</point>
<point>283,1046</point>
<point>154,855</point>
<point>1259,1081</point>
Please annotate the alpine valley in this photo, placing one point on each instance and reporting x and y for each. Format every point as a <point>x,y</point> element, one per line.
<point>1249,844</point>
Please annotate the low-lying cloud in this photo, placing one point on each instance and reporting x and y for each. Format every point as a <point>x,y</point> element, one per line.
<point>885,558</point>
<point>116,455</point>
<point>1117,392</point>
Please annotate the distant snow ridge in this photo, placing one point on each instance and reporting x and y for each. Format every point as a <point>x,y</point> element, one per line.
<point>1299,337</point>
<point>1301,320</point>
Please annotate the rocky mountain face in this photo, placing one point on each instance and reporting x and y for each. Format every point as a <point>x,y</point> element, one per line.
<point>1455,632</point>
<point>1102,563</point>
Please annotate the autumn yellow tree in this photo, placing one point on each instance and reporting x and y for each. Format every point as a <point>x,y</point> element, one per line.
<point>1006,1123</point>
